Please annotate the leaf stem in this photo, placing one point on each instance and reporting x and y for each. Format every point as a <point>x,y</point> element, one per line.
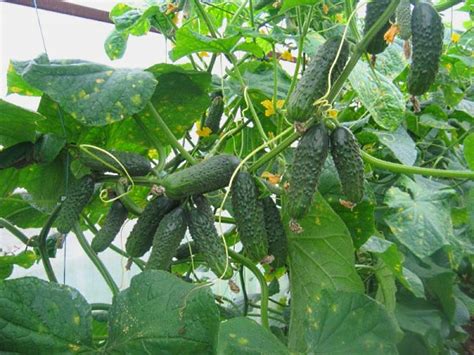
<point>15,231</point>
<point>447,4</point>
<point>154,141</point>
<point>129,204</point>
<point>244,291</point>
<point>95,259</point>
<point>42,244</point>
<point>261,280</point>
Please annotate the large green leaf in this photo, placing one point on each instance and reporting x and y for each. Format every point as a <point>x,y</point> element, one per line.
<point>420,217</point>
<point>469,150</point>
<point>43,317</point>
<point>188,42</point>
<point>379,95</point>
<point>16,84</point>
<point>321,257</point>
<point>400,143</point>
<point>243,336</point>
<point>18,210</point>
<point>18,124</point>
<point>93,94</point>
<point>391,62</point>
<point>349,323</point>
<point>160,311</point>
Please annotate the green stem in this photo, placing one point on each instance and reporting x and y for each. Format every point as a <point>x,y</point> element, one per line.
<point>255,118</point>
<point>15,231</point>
<point>207,20</point>
<point>447,4</point>
<point>100,306</point>
<point>244,291</point>
<point>261,280</point>
<point>42,244</point>
<point>238,12</point>
<point>126,200</point>
<point>228,220</point>
<point>154,141</point>
<point>95,259</point>
<point>170,136</point>
<point>348,9</point>
<point>416,170</point>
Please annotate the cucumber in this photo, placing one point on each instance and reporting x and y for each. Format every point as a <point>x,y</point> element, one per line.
<point>308,162</point>
<point>208,175</point>
<point>314,82</point>
<point>113,222</point>
<point>140,239</point>
<point>349,165</point>
<point>166,241</point>
<point>206,239</point>
<point>249,218</point>
<point>17,156</point>
<point>403,16</point>
<point>214,115</point>
<point>77,197</point>
<point>427,45</point>
<point>375,9</point>
<point>276,235</point>
<point>135,164</point>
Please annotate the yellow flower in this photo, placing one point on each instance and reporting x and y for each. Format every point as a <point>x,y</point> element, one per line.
<point>269,109</point>
<point>455,37</point>
<point>448,66</point>
<point>171,8</point>
<point>203,54</point>
<point>389,36</point>
<point>332,113</point>
<point>204,131</point>
<point>325,9</point>
<point>273,179</point>
<point>280,104</point>
<point>153,154</point>
<point>339,18</point>
<point>286,55</point>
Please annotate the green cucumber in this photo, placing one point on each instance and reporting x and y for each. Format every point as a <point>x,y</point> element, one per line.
<point>140,239</point>
<point>114,220</point>
<point>213,118</point>
<point>427,45</point>
<point>249,218</point>
<point>135,164</point>
<point>349,165</point>
<point>166,241</point>
<point>375,9</point>
<point>314,82</point>
<point>403,16</point>
<point>206,239</point>
<point>208,175</point>
<point>276,235</point>
<point>308,162</point>
<point>17,156</point>
<point>77,197</point>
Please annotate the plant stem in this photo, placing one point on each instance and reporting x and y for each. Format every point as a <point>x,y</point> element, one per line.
<point>129,204</point>
<point>447,4</point>
<point>154,141</point>
<point>416,170</point>
<point>100,306</point>
<point>170,136</point>
<point>15,231</point>
<point>244,291</point>
<point>261,280</point>
<point>42,244</point>
<point>95,259</point>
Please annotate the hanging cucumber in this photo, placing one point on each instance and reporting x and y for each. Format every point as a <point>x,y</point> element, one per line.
<point>427,42</point>
<point>214,115</point>
<point>77,197</point>
<point>206,239</point>
<point>208,175</point>
<point>403,17</point>
<point>166,241</point>
<point>140,239</point>
<point>114,220</point>
<point>314,82</point>
<point>375,9</point>
<point>350,167</point>
<point>248,213</point>
<point>276,235</point>
<point>308,162</point>
<point>135,164</point>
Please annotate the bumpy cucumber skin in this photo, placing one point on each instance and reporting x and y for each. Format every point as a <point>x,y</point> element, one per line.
<point>349,165</point>
<point>314,82</point>
<point>277,239</point>
<point>135,164</point>
<point>140,239</point>
<point>308,162</point>
<point>403,16</point>
<point>206,239</point>
<point>249,218</point>
<point>375,9</point>
<point>166,241</point>
<point>427,45</point>
<point>214,115</point>
<point>208,175</point>
<point>77,198</point>
<point>112,224</point>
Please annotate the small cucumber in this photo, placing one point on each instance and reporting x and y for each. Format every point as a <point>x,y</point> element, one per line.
<point>114,220</point>
<point>135,164</point>
<point>374,10</point>
<point>214,115</point>
<point>403,16</point>
<point>276,235</point>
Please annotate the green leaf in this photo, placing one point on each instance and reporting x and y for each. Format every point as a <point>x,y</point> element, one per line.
<point>25,259</point>
<point>16,84</point>
<point>379,95</point>
<point>321,257</point>
<point>400,143</point>
<point>160,311</point>
<point>48,147</point>
<point>188,42</point>
<point>8,181</point>
<point>116,44</point>
<point>349,323</point>
<point>18,210</point>
<point>387,288</point>
<point>469,150</point>
<point>244,336</point>
<point>46,317</point>
<point>18,124</point>
<point>289,4</point>
<point>91,93</point>
<point>420,217</point>
<point>391,62</point>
